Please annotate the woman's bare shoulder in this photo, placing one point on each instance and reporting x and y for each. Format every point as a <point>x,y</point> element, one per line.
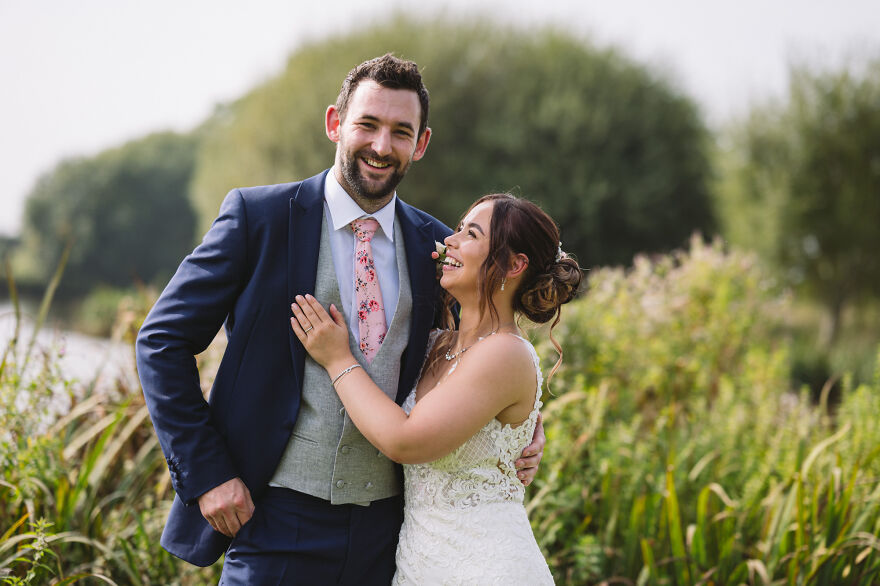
<point>504,358</point>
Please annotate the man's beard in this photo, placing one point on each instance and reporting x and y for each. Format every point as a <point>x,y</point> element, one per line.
<point>361,185</point>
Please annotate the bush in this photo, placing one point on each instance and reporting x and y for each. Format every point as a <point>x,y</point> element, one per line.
<point>676,453</point>
<point>105,310</point>
<point>671,330</point>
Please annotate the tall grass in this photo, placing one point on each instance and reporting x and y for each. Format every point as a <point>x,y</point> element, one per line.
<point>676,452</point>
<point>84,494</point>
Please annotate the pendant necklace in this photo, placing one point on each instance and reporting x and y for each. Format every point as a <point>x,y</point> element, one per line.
<point>450,357</point>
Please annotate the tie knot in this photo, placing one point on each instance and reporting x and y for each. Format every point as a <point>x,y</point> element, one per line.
<point>364,229</point>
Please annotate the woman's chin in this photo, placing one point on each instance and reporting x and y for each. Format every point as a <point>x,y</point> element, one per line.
<point>448,283</point>
<point>453,288</point>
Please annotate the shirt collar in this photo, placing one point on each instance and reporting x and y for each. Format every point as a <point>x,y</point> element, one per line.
<point>343,209</point>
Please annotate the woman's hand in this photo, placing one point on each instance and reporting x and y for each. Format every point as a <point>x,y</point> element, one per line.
<point>324,336</point>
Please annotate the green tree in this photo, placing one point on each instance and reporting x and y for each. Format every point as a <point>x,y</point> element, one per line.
<point>612,150</point>
<point>801,183</point>
<point>126,212</point>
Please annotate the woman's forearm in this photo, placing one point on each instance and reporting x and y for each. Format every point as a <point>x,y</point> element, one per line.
<point>381,421</point>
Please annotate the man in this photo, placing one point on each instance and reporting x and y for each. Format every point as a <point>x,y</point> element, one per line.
<point>273,469</point>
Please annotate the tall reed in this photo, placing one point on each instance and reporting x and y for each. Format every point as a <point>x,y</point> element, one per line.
<point>676,452</point>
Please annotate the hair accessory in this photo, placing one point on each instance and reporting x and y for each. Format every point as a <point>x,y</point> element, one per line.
<point>560,254</point>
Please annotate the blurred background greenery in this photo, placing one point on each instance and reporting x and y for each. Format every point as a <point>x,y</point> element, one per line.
<point>713,421</point>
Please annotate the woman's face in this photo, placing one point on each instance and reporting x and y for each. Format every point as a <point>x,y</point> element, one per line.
<point>466,250</point>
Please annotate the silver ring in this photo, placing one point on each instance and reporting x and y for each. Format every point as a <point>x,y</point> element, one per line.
<point>306,331</point>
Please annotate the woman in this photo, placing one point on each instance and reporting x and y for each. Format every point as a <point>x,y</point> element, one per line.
<point>476,403</point>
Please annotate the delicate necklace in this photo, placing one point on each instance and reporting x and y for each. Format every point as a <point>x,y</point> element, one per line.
<point>450,357</point>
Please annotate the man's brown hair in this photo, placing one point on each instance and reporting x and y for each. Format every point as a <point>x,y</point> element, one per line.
<point>388,71</point>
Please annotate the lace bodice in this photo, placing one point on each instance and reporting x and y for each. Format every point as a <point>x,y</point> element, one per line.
<point>480,470</point>
<point>464,522</point>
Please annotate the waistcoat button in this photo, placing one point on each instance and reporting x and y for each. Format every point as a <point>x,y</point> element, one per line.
<point>340,483</point>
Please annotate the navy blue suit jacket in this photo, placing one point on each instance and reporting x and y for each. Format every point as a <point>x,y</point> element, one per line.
<point>261,251</point>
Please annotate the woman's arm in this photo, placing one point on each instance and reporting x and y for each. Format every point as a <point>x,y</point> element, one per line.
<point>495,375</point>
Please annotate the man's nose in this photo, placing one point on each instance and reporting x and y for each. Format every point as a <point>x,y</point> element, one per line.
<point>382,142</point>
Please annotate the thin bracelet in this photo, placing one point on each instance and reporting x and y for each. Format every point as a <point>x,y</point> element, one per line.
<point>343,373</point>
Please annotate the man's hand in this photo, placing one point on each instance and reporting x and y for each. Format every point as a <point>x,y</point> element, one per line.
<point>228,506</point>
<point>527,464</point>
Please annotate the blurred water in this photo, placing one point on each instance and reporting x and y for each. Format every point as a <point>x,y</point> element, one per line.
<point>85,359</point>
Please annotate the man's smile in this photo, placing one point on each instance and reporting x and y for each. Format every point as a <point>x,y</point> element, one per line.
<point>375,164</point>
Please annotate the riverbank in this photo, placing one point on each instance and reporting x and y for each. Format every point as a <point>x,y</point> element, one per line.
<point>87,360</point>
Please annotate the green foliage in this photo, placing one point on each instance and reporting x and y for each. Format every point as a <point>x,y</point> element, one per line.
<point>609,148</point>
<point>125,212</point>
<point>97,312</point>
<point>669,331</point>
<point>98,474</point>
<point>84,489</point>
<point>676,454</point>
<point>106,311</point>
<point>801,179</point>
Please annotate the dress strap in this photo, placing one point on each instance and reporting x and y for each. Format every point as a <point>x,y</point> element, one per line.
<point>539,376</point>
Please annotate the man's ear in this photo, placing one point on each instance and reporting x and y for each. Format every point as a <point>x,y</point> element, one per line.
<point>518,264</point>
<point>422,145</point>
<point>331,123</point>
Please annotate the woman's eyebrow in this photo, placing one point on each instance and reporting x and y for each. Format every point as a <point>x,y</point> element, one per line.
<point>477,227</point>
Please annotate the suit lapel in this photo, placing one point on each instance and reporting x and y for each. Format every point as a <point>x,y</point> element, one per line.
<point>303,239</point>
<point>419,241</point>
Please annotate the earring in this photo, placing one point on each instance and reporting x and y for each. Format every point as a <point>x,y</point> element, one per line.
<point>504,280</point>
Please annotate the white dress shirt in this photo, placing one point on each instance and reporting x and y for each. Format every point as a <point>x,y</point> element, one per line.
<point>340,210</point>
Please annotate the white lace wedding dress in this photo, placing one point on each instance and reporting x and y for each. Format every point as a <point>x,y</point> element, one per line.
<point>464,520</point>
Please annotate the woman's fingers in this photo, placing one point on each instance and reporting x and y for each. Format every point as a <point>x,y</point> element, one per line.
<point>300,316</point>
<point>312,310</point>
<point>337,316</point>
<point>308,314</point>
<point>316,309</point>
<point>297,329</point>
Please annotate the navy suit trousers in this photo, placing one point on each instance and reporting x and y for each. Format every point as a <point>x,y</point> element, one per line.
<point>295,538</point>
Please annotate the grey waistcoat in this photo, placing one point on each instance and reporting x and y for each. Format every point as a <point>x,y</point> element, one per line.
<point>327,456</point>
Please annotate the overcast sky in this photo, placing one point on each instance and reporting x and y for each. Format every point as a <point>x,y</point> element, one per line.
<point>79,77</point>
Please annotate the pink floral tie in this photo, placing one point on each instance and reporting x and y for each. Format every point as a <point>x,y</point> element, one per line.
<point>370,309</point>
